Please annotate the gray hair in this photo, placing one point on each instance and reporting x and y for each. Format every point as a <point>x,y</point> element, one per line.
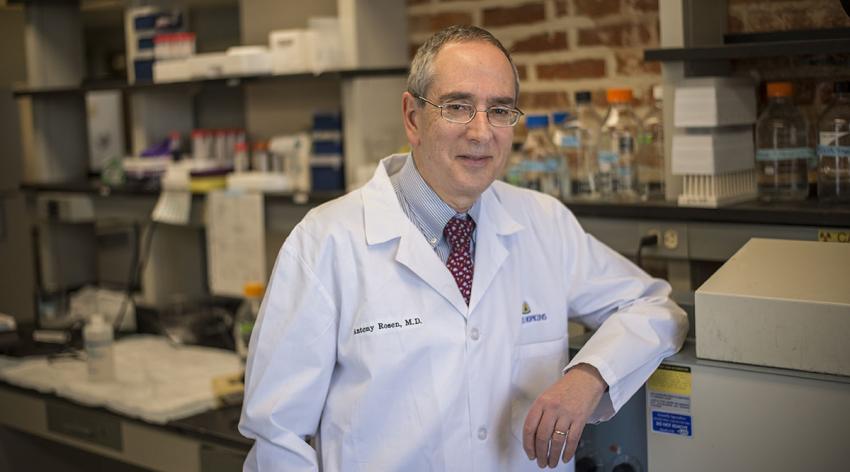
<point>422,68</point>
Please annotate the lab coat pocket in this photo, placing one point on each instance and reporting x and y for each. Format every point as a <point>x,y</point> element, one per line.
<point>536,367</point>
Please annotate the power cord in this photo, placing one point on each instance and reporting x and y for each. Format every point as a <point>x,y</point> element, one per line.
<point>137,267</point>
<point>650,240</point>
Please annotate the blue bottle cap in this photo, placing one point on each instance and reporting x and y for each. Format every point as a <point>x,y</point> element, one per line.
<point>560,117</point>
<point>536,121</point>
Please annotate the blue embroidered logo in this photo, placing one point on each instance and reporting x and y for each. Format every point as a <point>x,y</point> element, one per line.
<point>533,318</point>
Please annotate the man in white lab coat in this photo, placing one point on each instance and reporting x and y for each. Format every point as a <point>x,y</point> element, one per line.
<point>419,323</point>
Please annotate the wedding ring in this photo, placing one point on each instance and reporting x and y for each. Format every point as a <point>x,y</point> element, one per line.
<point>559,433</point>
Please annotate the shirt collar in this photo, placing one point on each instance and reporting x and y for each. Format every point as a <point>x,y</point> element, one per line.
<point>430,210</point>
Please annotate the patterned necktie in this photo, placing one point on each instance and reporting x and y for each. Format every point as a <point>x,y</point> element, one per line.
<point>458,234</point>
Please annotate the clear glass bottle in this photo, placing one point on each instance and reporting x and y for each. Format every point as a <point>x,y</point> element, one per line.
<point>782,147</point>
<point>578,139</point>
<point>834,147</point>
<point>565,167</point>
<point>617,146</point>
<point>650,160</point>
<point>246,316</point>
<point>541,165</point>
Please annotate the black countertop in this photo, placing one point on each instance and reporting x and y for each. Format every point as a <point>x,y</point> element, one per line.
<point>805,213</point>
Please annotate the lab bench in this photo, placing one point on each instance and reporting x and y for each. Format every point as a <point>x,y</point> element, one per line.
<point>42,431</point>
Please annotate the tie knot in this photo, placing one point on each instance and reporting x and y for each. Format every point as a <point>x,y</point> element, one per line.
<point>458,232</point>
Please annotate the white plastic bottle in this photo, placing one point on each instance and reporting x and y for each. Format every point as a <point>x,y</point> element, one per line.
<point>246,316</point>
<point>98,337</point>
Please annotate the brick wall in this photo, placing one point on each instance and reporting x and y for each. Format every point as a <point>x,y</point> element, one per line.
<point>561,46</point>
<point>749,16</point>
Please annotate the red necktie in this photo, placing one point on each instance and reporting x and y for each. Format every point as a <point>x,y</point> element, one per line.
<point>458,234</point>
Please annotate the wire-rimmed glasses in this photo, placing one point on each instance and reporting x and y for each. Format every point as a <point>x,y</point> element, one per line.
<point>462,113</point>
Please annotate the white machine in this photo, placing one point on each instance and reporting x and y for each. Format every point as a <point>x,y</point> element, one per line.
<point>778,315</point>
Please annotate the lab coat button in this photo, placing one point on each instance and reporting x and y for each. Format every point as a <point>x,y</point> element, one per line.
<point>482,433</point>
<point>473,334</point>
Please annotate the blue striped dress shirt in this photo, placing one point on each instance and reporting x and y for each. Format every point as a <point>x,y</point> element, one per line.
<point>426,209</point>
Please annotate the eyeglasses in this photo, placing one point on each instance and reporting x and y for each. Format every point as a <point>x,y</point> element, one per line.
<point>463,113</point>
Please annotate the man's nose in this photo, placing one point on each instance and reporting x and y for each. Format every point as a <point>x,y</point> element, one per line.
<point>479,128</point>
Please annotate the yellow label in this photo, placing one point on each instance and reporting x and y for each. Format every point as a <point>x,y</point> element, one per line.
<point>671,379</point>
<point>834,236</point>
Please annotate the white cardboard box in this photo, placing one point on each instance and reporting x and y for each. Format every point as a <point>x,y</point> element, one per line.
<point>290,52</point>
<point>712,151</point>
<point>779,303</point>
<point>176,70</point>
<point>717,101</point>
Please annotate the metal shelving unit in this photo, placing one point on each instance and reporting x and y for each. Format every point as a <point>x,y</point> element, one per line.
<point>219,81</point>
<point>761,45</point>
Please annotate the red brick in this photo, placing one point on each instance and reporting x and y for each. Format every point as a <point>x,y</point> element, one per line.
<point>580,69</point>
<point>541,42</point>
<point>522,14</point>
<point>411,50</point>
<point>619,35</point>
<point>642,5</point>
<point>543,100</point>
<point>522,71</point>
<point>597,8</point>
<point>734,24</point>
<point>437,21</point>
<point>560,7</point>
<point>631,63</point>
<point>772,18</point>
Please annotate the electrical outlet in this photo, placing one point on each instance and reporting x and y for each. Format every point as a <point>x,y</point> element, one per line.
<point>671,239</point>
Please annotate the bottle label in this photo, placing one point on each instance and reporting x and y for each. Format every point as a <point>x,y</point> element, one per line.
<point>570,141</point>
<point>833,151</point>
<point>786,154</point>
<point>607,160</point>
<point>830,138</point>
<point>626,143</point>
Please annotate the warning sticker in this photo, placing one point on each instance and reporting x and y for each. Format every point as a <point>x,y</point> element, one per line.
<point>669,400</point>
<point>834,236</point>
<point>671,423</point>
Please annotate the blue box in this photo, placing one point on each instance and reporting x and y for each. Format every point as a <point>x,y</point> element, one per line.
<point>143,69</point>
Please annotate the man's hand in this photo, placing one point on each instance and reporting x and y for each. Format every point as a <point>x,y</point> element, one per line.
<point>563,407</point>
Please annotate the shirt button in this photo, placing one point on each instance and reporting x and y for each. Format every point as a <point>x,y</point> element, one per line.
<point>473,334</point>
<point>433,241</point>
<point>482,433</point>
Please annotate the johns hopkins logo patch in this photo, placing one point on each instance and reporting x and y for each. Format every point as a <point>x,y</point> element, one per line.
<point>529,317</point>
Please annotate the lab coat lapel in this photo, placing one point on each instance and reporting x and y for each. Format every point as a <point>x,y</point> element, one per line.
<point>490,251</point>
<point>415,253</point>
<point>384,220</point>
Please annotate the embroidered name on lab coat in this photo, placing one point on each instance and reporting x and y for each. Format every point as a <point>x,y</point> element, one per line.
<point>385,326</point>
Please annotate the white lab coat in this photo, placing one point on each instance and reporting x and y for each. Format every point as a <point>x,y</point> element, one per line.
<point>364,336</point>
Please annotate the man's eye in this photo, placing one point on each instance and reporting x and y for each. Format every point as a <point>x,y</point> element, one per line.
<point>500,111</point>
<point>456,107</point>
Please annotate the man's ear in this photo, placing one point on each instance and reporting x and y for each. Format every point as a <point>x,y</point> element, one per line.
<point>411,116</point>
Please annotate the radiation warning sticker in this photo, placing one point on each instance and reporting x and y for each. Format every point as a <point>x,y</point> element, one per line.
<point>669,400</point>
<point>834,236</point>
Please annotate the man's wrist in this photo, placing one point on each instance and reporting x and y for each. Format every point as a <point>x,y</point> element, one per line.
<point>591,372</point>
